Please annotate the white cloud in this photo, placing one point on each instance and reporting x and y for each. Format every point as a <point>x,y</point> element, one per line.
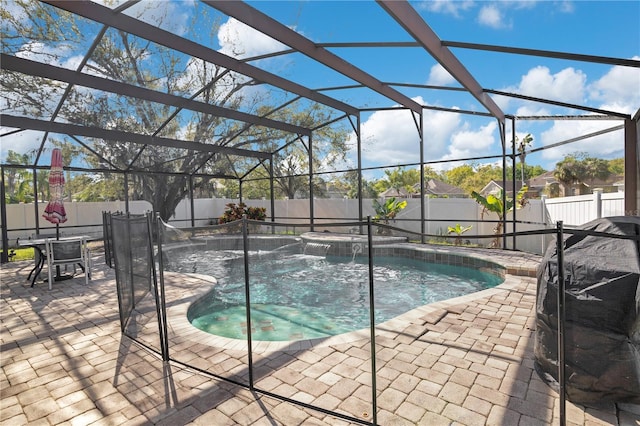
<point>618,89</point>
<point>469,142</point>
<point>236,40</point>
<point>391,137</point>
<point>20,142</point>
<point>502,101</point>
<point>170,16</point>
<point>241,41</point>
<point>608,145</point>
<point>73,62</point>
<point>492,17</point>
<point>567,85</point>
<point>40,52</point>
<point>448,7</point>
<point>566,6</point>
<point>532,109</point>
<point>439,76</point>
<point>438,127</point>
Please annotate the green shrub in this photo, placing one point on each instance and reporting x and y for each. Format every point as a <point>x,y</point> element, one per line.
<point>235,212</point>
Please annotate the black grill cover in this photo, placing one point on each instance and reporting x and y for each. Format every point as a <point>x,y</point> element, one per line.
<point>602,328</point>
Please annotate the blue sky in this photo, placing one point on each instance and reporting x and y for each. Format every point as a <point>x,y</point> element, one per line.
<point>602,28</point>
<point>605,28</point>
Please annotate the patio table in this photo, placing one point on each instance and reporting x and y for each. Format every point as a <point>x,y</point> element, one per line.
<point>39,245</point>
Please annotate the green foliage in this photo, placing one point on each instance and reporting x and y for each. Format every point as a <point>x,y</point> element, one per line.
<point>473,177</point>
<point>616,166</point>
<point>494,204</point>
<point>398,178</point>
<point>291,161</point>
<point>350,180</point>
<point>18,181</point>
<point>579,168</point>
<point>529,171</point>
<point>458,230</point>
<point>235,212</point>
<point>118,56</point>
<point>431,173</point>
<point>389,209</point>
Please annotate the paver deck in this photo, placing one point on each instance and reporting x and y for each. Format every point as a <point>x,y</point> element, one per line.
<point>467,362</point>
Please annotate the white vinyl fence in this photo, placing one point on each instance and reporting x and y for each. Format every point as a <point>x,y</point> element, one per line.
<point>580,209</point>
<point>440,213</point>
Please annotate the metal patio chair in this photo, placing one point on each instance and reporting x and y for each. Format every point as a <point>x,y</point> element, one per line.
<point>68,251</point>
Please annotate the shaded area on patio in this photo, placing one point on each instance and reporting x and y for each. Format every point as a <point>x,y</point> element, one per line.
<point>64,359</point>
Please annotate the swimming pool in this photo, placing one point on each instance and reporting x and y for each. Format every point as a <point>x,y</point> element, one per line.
<point>297,296</point>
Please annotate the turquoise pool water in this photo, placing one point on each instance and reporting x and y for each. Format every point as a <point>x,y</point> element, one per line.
<point>296,297</point>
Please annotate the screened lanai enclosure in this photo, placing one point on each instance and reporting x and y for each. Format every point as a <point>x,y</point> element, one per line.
<point>145,101</point>
<point>166,102</point>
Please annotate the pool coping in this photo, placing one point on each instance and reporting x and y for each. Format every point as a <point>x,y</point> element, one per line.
<point>525,266</point>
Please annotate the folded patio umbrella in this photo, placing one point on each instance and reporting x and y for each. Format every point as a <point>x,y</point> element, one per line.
<point>54,212</point>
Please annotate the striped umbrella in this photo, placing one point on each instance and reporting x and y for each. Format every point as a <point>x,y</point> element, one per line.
<point>54,212</point>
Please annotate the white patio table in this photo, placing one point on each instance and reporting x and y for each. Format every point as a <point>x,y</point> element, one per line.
<point>40,245</point>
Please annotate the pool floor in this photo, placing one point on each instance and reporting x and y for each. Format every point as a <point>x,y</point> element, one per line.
<point>270,322</point>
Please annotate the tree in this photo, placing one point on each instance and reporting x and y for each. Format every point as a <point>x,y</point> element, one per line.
<point>291,153</point>
<point>580,169</point>
<point>522,147</point>
<point>157,174</point>
<point>18,186</point>
<point>529,172</point>
<point>616,166</point>
<point>458,175</point>
<point>351,179</point>
<point>398,178</point>
<point>96,188</point>
<point>431,173</point>
<point>473,177</point>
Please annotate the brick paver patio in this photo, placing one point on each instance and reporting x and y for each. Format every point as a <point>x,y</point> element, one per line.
<point>469,362</point>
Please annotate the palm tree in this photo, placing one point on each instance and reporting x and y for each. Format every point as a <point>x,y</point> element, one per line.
<point>522,146</point>
<point>579,168</point>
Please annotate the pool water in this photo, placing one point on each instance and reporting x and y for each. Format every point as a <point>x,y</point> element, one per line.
<point>296,297</point>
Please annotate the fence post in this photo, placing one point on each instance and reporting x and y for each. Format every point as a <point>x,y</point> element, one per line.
<point>372,323</point>
<point>544,213</point>
<point>247,295</point>
<point>561,321</point>
<point>597,201</point>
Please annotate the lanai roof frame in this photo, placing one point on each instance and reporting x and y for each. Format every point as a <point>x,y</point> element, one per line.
<point>416,28</point>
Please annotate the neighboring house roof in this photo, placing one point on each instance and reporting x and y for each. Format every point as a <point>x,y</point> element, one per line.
<point>438,188</point>
<point>548,178</point>
<point>395,192</point>
<point>497,185</point>
<point>541,181</point>
<point>610,181</point>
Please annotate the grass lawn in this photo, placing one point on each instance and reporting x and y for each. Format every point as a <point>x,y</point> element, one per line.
<point>21,253</point>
